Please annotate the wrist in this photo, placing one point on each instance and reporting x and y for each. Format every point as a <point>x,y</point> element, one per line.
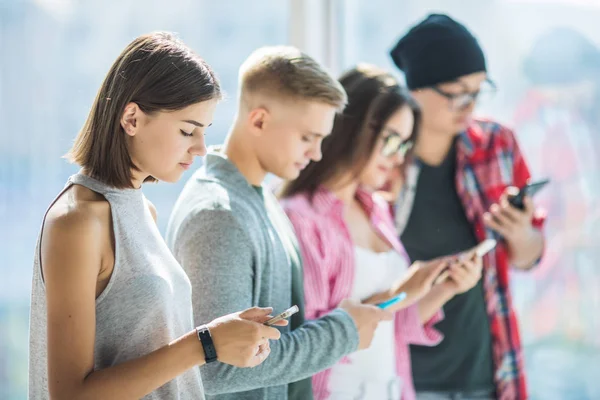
<point>526,251</point>
<point>193,351</point>
<point>444,291</point>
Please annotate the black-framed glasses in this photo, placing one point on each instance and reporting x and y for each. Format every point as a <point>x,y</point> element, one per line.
<point>460,101</point>
<point>394,144</point>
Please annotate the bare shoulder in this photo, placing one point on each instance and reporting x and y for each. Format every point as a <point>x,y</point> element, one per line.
<point>74,229</point>
<point>78,211</point>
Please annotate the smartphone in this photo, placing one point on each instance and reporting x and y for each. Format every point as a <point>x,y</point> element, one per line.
<point>392,301</point>
<point>528,190</point>
<point>284,315</point>
<point>480,250</point>
<point>485,247</point>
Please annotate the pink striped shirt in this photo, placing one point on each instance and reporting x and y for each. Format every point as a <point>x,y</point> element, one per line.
<point>329,269</point>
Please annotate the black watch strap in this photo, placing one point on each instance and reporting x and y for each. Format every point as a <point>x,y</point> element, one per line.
<point>210,353</point>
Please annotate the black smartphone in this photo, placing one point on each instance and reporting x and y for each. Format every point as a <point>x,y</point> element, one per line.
<point>528,190</point>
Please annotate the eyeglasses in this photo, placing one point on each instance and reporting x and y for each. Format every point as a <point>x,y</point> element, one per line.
<point>460,101</point>
<point>394,144</point>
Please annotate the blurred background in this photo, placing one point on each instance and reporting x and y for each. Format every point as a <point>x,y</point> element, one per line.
<point>542,54</point>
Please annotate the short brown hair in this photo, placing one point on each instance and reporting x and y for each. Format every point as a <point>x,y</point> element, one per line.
<point>286,71</point>
<point>374,96</point>
<point>156,71</point>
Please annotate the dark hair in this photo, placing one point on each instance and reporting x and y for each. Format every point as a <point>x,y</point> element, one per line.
<point>158,73</point>
<point>374,96</point>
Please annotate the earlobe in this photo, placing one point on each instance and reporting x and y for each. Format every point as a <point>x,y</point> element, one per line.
<point>129,119</point>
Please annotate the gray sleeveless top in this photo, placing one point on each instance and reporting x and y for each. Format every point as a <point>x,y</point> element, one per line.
<point>146,305</point>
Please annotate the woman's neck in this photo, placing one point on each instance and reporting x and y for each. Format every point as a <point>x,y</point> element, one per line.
<point>343,188</point>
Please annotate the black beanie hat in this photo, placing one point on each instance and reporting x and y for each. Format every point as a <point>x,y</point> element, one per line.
<point>437,49</point>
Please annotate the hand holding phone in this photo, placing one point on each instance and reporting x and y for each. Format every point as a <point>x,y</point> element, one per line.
<point>366,317</point>
<point>235,337</point>
<point>478,251</point>
<point>284,315</point>
<point>528,190</point>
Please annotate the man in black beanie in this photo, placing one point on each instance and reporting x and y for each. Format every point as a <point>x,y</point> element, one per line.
<point>455,195</point>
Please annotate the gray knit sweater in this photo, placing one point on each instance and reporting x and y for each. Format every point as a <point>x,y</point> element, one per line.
<point>224,233</point>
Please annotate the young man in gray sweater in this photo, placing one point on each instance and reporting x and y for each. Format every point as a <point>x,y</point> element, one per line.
<point>235,242</point>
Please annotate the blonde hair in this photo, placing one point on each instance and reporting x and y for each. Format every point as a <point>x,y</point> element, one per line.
<point>284,71</point>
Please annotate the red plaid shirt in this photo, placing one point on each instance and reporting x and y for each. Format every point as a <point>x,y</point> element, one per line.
<point>488,161</point>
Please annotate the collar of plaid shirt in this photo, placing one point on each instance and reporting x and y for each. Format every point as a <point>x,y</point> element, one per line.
<point>488,161</point>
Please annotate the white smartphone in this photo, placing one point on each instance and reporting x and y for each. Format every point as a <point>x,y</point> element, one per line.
<point>480,250</point>
<point>284,315</point>
<point>485,247</point>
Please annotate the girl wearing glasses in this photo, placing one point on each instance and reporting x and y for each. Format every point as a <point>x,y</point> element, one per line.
<point>350,247</point>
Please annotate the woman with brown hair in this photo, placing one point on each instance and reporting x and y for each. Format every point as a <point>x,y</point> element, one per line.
<point>111,309</point>
<point>349,244</point>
